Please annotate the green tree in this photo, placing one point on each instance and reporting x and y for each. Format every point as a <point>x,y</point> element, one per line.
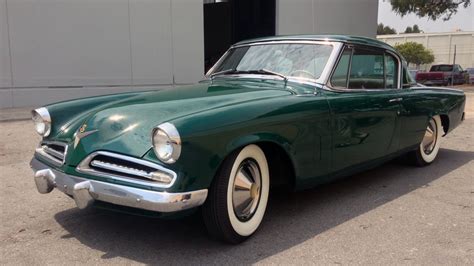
<point>382,30</point>
<point>415,53</point>
<point>433,9</point>
<point>414,29</point>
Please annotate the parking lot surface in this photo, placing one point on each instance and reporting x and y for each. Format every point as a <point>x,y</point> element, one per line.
<point>393,214</point>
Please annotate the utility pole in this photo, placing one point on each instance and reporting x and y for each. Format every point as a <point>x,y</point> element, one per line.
<point>454,62</point>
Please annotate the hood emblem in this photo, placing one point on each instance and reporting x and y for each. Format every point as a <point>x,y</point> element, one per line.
<point>83,128</point>
<point>81,133</point>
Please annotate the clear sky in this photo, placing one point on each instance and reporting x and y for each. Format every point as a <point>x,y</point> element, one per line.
<point>463,19</point>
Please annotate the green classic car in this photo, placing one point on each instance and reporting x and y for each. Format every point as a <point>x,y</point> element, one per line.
<point>293,111</point>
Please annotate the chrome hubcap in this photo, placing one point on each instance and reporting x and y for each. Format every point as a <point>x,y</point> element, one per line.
<point>429,140</point>
<point>246,190</point>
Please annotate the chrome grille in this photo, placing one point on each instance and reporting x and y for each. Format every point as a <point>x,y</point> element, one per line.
<point>126,168</point>
<point>53,151</point>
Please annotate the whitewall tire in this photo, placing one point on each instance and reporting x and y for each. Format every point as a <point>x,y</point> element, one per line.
<point>238,197</point>
<point>428,149</point>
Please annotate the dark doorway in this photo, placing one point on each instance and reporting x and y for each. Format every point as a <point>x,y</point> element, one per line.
<point>231,21</point>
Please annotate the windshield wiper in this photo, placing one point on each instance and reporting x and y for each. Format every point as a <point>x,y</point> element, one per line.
<point>266,71</point>
<point>259,71</point>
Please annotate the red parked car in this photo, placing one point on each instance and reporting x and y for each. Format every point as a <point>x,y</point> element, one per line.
<point>444,74</point>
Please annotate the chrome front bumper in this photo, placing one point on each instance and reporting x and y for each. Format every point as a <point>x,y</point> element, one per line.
<point>86,191</point>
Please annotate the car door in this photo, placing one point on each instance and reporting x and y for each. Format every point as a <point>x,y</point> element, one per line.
<point>364,102</point>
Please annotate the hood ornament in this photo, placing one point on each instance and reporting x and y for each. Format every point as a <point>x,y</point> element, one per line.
<point>81,133</point>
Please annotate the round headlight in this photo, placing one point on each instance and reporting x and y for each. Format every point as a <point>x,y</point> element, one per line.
<point>166,143</point>
<point>42,121</point>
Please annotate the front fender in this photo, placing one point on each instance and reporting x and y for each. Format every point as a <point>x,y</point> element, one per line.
<point>299,125</point>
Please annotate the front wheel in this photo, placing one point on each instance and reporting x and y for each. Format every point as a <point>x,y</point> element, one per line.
<point>429,147</point>
<point>238,196</point>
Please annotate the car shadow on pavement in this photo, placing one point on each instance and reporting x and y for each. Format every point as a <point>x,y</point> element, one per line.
<point>291,218</point>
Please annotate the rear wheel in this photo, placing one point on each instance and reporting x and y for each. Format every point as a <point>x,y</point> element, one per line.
<point>429,147</point>
<point>238,196</point>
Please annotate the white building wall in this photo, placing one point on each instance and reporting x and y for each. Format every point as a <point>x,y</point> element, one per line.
<point>63,49</point>
<point>442,45</point>
<point>354,17</point>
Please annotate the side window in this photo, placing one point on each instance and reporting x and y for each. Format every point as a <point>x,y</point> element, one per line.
<point>367,70</point>
<point>339,77</point>
<point>391,72</point>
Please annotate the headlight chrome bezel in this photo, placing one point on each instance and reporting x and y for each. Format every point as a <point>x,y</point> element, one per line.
<point>45,117</point>
<point>173,139</point>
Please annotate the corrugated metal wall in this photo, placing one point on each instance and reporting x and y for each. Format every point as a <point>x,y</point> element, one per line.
<point>62,49</point>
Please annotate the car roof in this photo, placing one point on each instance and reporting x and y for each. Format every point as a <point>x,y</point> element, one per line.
<point>328,37</point>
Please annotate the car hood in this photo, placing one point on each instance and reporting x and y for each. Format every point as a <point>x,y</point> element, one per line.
<point>125,125</point>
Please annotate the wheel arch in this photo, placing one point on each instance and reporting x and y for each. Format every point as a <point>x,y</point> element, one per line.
<point>277,152</point>
<point>445,123</point>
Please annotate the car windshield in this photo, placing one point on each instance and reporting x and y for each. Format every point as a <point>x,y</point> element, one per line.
<point>471,70</point>
<point>288,60</point>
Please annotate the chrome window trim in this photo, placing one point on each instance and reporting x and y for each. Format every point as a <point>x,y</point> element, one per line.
<point>285,42</point>
<point>400,67</point>
<point>324,74</point>
<point>217,63</point>
<point>47,156</point>
<point>84,168</point>
<point>329,87</point>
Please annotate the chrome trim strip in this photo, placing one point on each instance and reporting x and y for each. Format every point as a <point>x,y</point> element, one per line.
<point>325,75</point>
<point>84,168</point>
<point>217,63</point>
<point>44,113</point>
<point>299,80</point>
<point>129,170</point>
<point>85,192</point>
<point>285,42</point>
<point>400,67</point>
<point>395,100</point>
<point>53,152</point>
<point>43,153</point>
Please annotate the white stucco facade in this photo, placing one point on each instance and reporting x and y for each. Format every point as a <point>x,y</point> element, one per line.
<point>441,44</point>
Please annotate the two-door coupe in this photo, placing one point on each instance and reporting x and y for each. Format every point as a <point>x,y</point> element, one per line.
<point>293,110</point>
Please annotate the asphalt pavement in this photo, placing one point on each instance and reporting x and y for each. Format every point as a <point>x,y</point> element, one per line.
<point>393,214</point>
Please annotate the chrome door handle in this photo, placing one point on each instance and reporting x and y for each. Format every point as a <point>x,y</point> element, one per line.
<point>395,100</point>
